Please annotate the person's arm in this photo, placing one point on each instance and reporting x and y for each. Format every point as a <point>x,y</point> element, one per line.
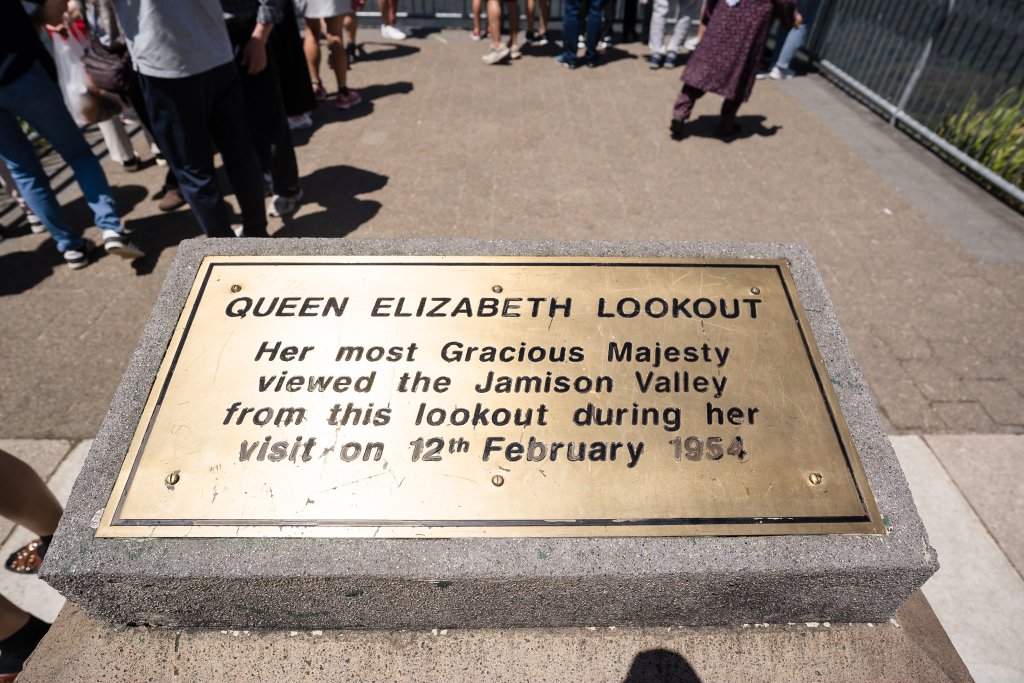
<point>786,12</point>
<point>254,56</point>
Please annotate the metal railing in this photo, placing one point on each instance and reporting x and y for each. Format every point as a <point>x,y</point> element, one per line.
<point>949,71</point>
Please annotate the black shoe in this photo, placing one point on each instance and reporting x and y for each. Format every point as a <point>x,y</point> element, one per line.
<point>677,127</point>
<point>350,50</point>
<point>79,257</point>
<point>670,60</point>
<point>656,61</point>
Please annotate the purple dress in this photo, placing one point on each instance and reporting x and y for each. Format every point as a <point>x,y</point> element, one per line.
<point>728,56</point>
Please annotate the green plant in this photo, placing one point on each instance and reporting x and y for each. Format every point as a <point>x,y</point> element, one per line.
<point>993,135</point>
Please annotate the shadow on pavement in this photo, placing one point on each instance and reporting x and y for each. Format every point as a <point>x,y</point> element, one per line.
<point>661,666</point>
<point>749,126</point>
<point>381,51</point>
<point>335,189</point>
<point>327,113</point>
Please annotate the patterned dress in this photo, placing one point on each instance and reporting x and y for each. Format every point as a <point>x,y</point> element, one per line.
<point>728,56</point>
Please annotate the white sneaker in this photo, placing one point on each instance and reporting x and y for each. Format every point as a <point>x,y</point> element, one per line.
<point>300,121</point>
<point>780,74</point>
<point>392,32</point>
<point>282,205</point>
<point>496,54</point>
<point>691,44</point>
<point>514,52</point>
<point>34,223</point>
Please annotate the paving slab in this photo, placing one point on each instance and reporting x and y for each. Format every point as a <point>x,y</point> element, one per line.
<point>911,648</point>
<point>977,593</point>
<point>989,471</point>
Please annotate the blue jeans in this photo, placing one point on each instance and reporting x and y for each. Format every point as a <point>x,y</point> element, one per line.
<point>571,29</point>
<point>35,98</point>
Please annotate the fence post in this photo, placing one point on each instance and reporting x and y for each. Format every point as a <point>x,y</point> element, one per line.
<point>915,75</point>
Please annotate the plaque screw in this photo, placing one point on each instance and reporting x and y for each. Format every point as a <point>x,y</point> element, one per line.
<point>172,479</point>
<point>814,478</point>
<point>236,288</point>
<point>497,480</point>
<point>496,289</point>
<point>755,290</point>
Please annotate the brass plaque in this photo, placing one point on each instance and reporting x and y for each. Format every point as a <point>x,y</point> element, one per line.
<point>491,396</point>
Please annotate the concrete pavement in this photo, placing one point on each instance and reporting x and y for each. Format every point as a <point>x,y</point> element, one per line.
<point>925,269</point>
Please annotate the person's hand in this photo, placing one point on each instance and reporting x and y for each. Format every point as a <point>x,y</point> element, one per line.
<point>798,20</point>
<point>254,56</point>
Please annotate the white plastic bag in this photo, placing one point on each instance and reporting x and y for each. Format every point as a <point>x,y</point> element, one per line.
<point>68,52</point>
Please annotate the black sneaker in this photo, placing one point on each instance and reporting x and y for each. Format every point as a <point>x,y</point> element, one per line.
<point>531,37</point>
<point>657,60</point>
<point>119,245</point>
<point>541,40</point>
<point>670,60</point>
<point>79,257</point>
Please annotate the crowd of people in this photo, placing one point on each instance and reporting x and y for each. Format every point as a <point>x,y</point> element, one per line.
<point>237,76</point>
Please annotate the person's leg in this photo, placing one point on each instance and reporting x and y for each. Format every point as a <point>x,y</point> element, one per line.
<point>656,40</point>
<point>682,27</point>
<point>544,17</point>
<point>494,23</point>
<point>570,31</point>
<point>179,110</point>
<point>12,618</point>
<point>629,21</point>
<point>336,56</point>
<point>25,498</point>
<point>727,120</point>
<point>794,41</point>
<point>115,137</point>
<point>311,48</point>
<point>687,97</point>
<point>350,22</point>
<point>607,33</point>
<point>512,10</point>
<point>593,30</point>
<point>230,133</point>
<point>20,633</point>
<point>38,101</point>
<point>530,5</point>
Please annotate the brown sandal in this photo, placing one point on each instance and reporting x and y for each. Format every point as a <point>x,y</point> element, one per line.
<point>27,559</point>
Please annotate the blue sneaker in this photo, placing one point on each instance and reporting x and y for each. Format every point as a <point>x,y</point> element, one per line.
<point>657,60</point>
<point>566,61</point>
<point>670,60</point>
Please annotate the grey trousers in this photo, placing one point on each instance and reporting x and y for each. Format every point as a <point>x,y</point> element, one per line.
<point>659,13</point>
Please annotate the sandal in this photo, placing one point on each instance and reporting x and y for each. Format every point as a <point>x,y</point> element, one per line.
<point>318,91</point>
<point>28,558</point>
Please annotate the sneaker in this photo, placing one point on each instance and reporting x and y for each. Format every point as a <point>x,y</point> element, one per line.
<point>119,245</point>
<point>80,257</point>
<point>318,91</point>
<point>478,35</point>
<point>670,60</point>
<point>34,224</point>
<point>567,61</point>
<point>348,99</point>
<point>300,121</point>
<point>656,61</point>
<point>691,44</point>
<point>283,205</point>
<point>581,43</point>
<point>514,52</point>
<point>604,43</point>
<point>159,159</point>
<point>779,74</point>
<point>350,52</point>
<point>172,200</point>
<point>132,165</point>
<point>496,54</point>
<point>530,37</point>
<point>392,32</point>
<point>676,128</point>
<point>541,40</point>
<point>761,75</point>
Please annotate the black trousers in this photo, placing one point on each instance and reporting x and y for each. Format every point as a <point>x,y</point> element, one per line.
<point>264,107</point>
<point>189,117</point>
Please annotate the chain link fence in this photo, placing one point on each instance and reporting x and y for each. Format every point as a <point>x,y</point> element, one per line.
<point>948,71</point>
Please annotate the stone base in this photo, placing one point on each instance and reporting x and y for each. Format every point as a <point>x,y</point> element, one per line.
<point>480,583</point>
<point>911,648</point>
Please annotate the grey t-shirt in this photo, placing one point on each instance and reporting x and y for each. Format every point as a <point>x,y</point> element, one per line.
<point>174,38</point>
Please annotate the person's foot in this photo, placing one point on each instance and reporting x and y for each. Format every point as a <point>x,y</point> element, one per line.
<point>285,205</point>
<point>16,648</point>
<point>541,40</point>
<point>779,74</point>
<point>581,43</point>
<point>300,121</point>
<point>496,54</point>
<point>79,257</point>
<point>132,165</point>
<point>604,43</point>
<point>670,60</point>
<point>761,75</point>
<point>34,223</point>
<point>530,37</point>
<point>172,200</point>
<point>478,35</point>
<point>348,99</point>
<point>117,244</point>
<point>566,61</point>
<point>159,159</point>
<point>656,61</point>
<point>318,91</point>
<point>29,558</point>
<point>514,52</point>
<point>391,32</point>
<point>350,51</point>
<point>691,44</point>
<point>676,127</point>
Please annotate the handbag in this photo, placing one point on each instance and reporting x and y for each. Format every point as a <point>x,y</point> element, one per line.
<point>110,69</point>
